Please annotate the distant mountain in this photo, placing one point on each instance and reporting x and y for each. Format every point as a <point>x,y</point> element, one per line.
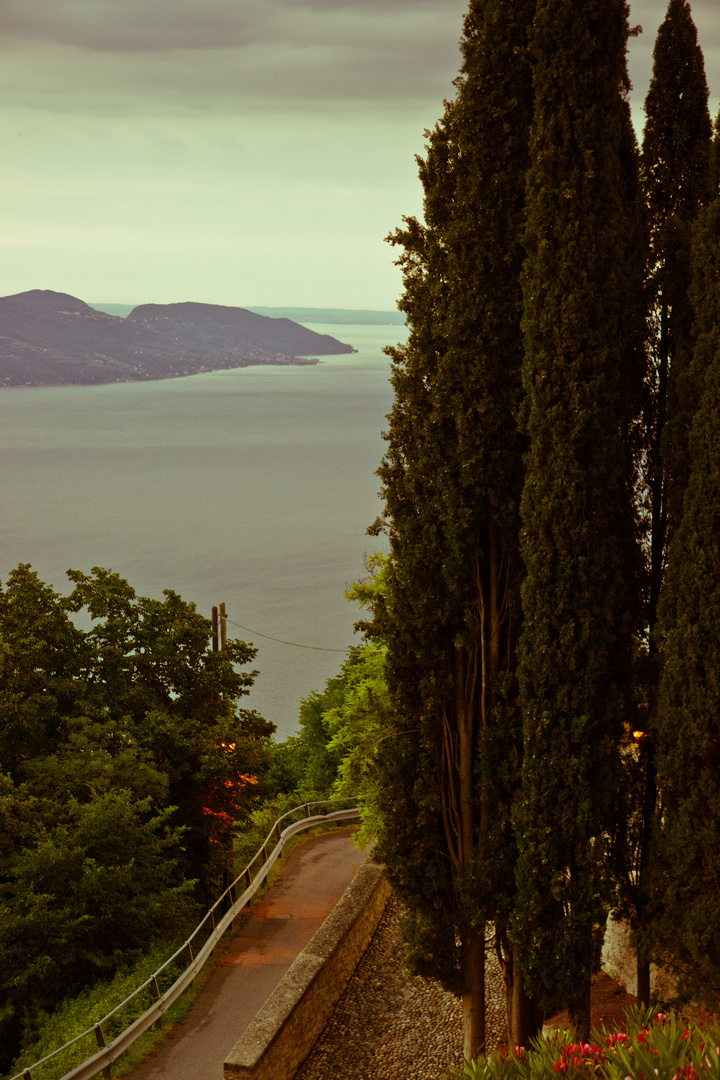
<point>52,339</point>
<point>338,316</point>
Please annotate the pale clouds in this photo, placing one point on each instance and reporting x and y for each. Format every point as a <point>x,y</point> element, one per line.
<point>235,151</point>
<point>229,53</point>
<point>160,25</point>
<point>291,51</point>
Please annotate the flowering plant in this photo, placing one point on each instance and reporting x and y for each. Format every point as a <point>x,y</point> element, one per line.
<point>652,1045</point>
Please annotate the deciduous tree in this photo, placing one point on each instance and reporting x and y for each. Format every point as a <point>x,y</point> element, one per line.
<point>124,766</point>
<point>154,679</point>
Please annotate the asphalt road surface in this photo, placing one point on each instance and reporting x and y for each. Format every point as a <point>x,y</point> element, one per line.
<point>312,881</point>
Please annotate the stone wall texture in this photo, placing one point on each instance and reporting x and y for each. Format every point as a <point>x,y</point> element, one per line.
<point>284,1031</point>
<point>618,960</point>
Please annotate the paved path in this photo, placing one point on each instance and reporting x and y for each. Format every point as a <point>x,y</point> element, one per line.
<point>312,881</point>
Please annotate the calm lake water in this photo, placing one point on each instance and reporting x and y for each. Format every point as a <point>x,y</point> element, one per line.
<point>252,487</point>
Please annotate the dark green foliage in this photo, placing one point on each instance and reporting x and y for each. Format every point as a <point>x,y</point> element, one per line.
<point>451,477</point>
<point>88,885</point>
<point>315,765</point>
<point>677,133</point>
<point>359,724</point>
<point>675,173</point>
<point>676,181</point>
<point>47,1032</point>
<point>333,753</point>
<point>582,377</point>
<point>715,156</point>
<point>153,678</point>
<point>41,658</point>
<point>124,766</point>
<point>687,855</point>
<point>549,225</point>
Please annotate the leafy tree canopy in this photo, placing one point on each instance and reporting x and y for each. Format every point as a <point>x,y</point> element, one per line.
<point>125,764</point>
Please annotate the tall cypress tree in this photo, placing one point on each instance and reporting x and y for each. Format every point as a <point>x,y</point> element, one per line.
<point>452,478</point>
<point>583,370</point>
<point>687,844</point>
<point>675,174</point>
<point>676,179</point>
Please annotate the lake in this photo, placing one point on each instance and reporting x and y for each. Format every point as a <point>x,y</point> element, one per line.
<point>252,487</point>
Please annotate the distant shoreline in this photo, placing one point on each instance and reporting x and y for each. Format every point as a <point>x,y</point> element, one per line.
<point>146,378</point>
<point>329,316</point>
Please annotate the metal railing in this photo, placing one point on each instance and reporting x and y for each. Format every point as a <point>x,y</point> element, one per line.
<point>217,920</point>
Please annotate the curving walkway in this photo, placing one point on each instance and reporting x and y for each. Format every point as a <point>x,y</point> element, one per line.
<point>313,879</point>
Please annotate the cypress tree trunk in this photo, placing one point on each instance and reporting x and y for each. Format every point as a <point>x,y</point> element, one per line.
<point>583,378</point>
<point>473,994</point>
<point>580,1016</point>
<point>524,1018</point>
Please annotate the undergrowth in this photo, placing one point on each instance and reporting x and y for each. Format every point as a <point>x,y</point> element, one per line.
<point>76,1015</point>
<point>651,1045</point>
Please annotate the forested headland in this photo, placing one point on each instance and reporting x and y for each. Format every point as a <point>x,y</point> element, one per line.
<point>52,339</point>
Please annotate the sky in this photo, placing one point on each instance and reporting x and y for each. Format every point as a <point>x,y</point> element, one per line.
<point>242,152</point>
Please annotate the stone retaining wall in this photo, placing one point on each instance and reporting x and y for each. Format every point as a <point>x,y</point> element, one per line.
<point>620,962</point>
<point>284,1031</point>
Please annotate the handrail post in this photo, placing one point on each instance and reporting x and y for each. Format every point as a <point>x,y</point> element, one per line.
<point>100,1037</point>
<point>232,897</point>
<point>155,989</point>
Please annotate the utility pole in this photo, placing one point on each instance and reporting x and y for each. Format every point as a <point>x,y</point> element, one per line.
<point>214,629</point>
<point>223,626</point>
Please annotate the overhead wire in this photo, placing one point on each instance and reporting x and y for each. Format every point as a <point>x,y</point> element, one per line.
<point>281,641</point>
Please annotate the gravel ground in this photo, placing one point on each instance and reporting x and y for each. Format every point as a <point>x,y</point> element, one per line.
<point>389,1026</point>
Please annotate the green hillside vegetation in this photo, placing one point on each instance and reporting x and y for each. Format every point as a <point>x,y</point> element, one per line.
<point>127,764</point>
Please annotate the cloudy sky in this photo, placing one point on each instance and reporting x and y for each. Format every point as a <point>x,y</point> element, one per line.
<point>229,151</point>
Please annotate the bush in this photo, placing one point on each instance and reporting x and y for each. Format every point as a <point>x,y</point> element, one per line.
<point>652,1045</point>
<point>48,1031</point>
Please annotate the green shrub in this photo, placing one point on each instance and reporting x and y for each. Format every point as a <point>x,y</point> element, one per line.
<point>651,1045</point>
<point>48,1031</point>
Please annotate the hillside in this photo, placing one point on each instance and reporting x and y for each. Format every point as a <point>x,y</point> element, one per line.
<point>52,339</point>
